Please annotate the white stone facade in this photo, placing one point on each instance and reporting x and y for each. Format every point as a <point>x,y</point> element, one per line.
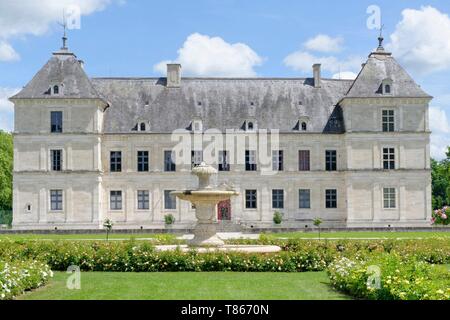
<point>86,181</point>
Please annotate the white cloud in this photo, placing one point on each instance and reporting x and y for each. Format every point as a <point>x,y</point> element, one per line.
<point>302,61</point>
<point>347,75</point>
<point>202,55</point>
<point>31,17</point>
<point>7,53</point>
<point>7,108</point>
<point>421,40</point>
<point>440,138</point>
<point>324,43</point>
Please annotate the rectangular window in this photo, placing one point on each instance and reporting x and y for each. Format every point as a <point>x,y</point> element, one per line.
<point>142,161</point>
<point>303,160</point>
<point>170,201</point>
<point>388,120</point>
<point>388,158</point>
<point>169,161</point>
<point>56,156</point>
<point>56,200</point>
<point>331,198</point>
<point>143,198</point>
<point>277,160</point>
<point>304,199</point>
<point>56,121</point>
<point>224,161</point>
<point>389,198</point>
<point>115,200</point>
<point>250,160</point>
<point>278,199</point>
<point>196,158</point>
<point>116,161</point>
<point>250,199</point>
<point>330,160</point>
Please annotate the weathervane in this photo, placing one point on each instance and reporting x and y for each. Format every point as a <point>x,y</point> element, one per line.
<point>64,25</point>
<point>381,39</point>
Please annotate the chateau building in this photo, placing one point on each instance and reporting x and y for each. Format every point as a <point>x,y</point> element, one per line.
<point>355,153</point>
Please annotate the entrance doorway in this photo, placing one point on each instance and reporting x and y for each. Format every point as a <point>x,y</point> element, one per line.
<point>224,210</point>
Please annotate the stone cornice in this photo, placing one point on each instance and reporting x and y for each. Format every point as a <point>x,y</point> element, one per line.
<point>385,101</point>
<point>59,102</point>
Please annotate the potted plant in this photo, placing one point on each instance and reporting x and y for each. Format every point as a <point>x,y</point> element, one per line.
<point>277,217</point>
<point>169,219</point>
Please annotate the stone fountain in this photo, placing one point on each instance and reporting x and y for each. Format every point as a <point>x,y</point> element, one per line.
<point>205,199</point>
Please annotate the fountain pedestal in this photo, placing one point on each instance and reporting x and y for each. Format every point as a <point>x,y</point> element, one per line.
<point>205,199</point>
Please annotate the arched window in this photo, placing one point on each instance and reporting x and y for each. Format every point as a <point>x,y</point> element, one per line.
<point>142,126</point>
<point>387,89</point>
<point>55,89</point>
<point>250,126</point>
<point>304,126</point>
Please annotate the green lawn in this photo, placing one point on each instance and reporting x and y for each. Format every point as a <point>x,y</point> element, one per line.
<point>361,235</point>
<point>190,285</point>
<point>94,236</point>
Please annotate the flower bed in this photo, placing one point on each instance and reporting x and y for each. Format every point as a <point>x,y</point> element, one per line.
<point>390,277</point>
<point>16,277</point>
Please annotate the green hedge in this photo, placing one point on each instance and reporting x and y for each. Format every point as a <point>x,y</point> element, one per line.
<point>390,277</point>
<point>16,277</point>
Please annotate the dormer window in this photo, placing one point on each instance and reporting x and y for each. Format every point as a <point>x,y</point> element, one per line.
<point>142,126</point>
<point>250,126</point>
<point>386,86</point>
<point>55,90</point>
<point>197,125</point>
<point>304,126</point>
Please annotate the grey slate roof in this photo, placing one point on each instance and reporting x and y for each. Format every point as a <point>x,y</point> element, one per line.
<point>63,68</point>
<point>221,103</point>
<point>381,66</point>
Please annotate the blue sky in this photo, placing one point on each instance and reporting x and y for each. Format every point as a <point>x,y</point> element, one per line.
<point>265,38</point>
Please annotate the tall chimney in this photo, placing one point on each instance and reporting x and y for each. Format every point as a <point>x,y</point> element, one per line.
<point>173,75</point>
<point>316,72</point>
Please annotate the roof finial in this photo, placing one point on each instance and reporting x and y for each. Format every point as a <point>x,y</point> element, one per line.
<point>380,39</point>
<point>64,38</point>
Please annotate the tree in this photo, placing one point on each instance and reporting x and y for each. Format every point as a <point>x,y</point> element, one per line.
<point>6,168</point>
<point>440,174</point>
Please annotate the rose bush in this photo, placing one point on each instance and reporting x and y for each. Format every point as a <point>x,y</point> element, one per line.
<point>441,216</point>
<point>16,277</point>
<point>390,277</point>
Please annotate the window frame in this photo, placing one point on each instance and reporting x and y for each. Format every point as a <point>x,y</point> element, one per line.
<point>196,158</point>
<point>169,167</point>
<point>277,160</point>
<point>251,163</point>
<point>116,201</point>
<point>388,120</point>
<point>174,199</point>
<point>388,158</point>
<point>56,121</point>
<point>251,203</point>
<point>59,166</point>
<point>277,198</point>
<point>59,201</point>
<point>223,161</point>
<point>143,197</point>
<point>331,200</point>
<point>300,200</point>
<point>331,160</point>
<point>387,191</point>
<point>142,160</point>
<point>307,160</point>
<point>116,164</point>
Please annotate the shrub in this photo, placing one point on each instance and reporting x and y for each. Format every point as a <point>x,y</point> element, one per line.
<point>169,219</point>
<point>16,277</point>
<point>277,217</point>
<point>390,277</point>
